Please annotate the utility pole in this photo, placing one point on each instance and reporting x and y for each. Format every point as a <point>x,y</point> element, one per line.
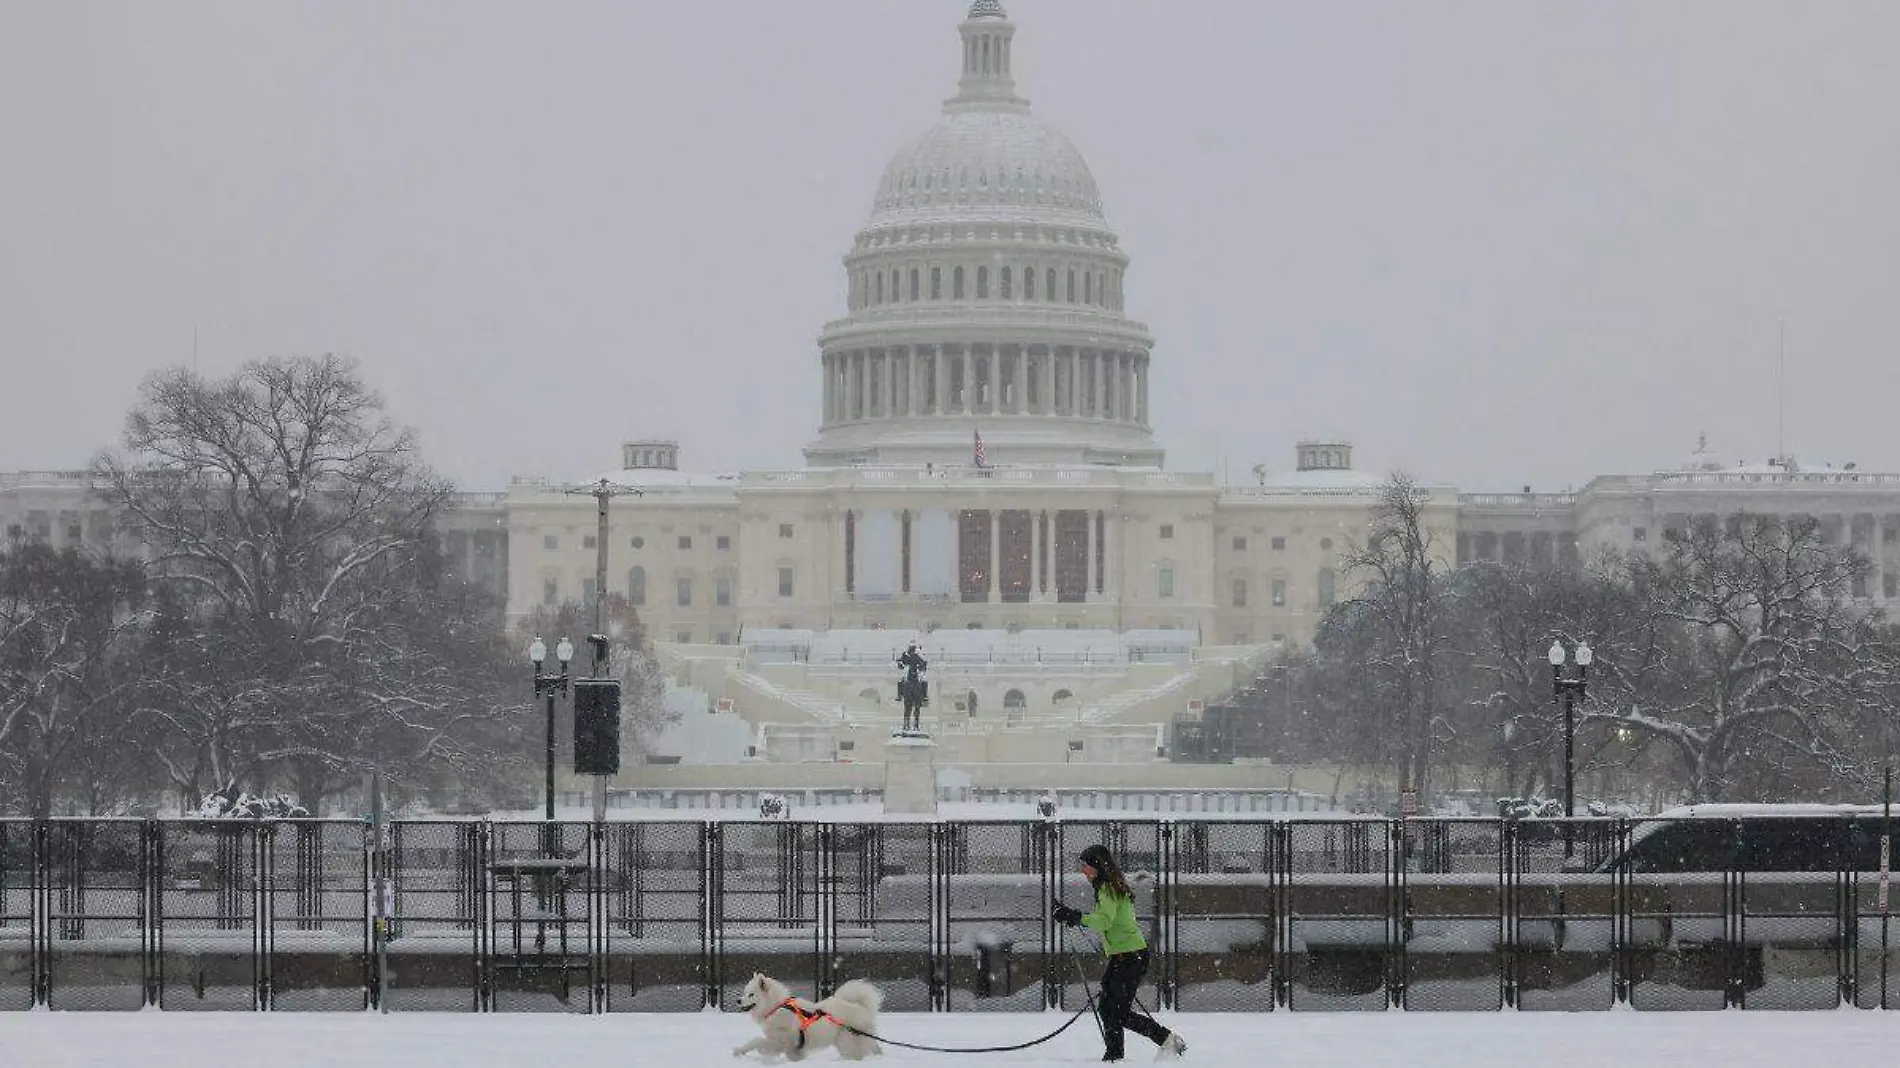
<point>602,492</point>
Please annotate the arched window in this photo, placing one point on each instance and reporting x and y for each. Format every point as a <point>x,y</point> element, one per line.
<point>1088,289</point>
<point>936,283</point>
<point>896,290</point>
<point>637,587</point>
<point>913,283</point>
<point>880,287</point>
<point>1049,286</point>
<point>1061,696</point>
<point>956,284</point>
<point>1072,287</point>
<point>1029,283</point>
<point>1014,704</point>
<point>982,283</point>
<point>1003,282</point>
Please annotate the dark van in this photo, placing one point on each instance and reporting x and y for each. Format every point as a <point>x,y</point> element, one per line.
<point>1758,838</point>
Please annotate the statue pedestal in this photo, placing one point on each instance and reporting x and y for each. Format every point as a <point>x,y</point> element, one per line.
<point>910,775</point>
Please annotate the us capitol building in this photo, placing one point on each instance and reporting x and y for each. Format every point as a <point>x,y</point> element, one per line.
<point>986,479</point>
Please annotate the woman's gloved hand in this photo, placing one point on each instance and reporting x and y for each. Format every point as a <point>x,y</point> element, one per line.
<point>1065,915</point>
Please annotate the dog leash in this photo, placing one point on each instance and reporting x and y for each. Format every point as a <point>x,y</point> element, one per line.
<point>1087,991</point>
<point>975,1049</point>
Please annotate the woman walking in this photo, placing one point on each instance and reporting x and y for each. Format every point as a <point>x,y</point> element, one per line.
<point>1114,920</point>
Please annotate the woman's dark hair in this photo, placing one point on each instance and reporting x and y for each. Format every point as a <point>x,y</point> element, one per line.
<point>1107,872</point>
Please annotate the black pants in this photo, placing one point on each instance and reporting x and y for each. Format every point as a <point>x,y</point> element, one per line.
<point>1117,1004</point>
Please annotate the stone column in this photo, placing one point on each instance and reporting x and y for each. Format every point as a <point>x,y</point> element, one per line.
<point>1141,404</point>
<point>996,551</point>
<point>1035,555</point>
<point>1128,387</point>
<point>1022,380</point>
<point>829,395</point>
<point>854,385</point>
<point>967,360</point>
<point>940,367</point>
<point>916,380</point>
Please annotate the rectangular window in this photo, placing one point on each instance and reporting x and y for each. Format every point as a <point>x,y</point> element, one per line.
<point>684,637</point>
<point>1240,593</point>
<point>936,283</point>
<point>1890,585</point>
<point>1279,593</point>
<point>722,543</point>
<point>684,596</point>
<point>1640,534</point>
<point>1325,587</point>
<point>1167,531</point>
<point>588,592</point>
<point>722,592</point>
<point>784,530</point>
<point>1240,544</point>
<point>550,542</point>
<point>75,533</point>
<point>724,638</point>
<point>550,592</point>
<point>1014,541</point>
<point>1279,545</point>
<point>973,556</point>
<point>588,542</point>
<point>1164,582</point>
<point>686,541</point>
<point>784,582</point>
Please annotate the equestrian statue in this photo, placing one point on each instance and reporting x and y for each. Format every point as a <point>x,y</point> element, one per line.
<point>913,687</point>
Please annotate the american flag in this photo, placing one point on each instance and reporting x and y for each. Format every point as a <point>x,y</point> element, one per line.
<point>981,461</point>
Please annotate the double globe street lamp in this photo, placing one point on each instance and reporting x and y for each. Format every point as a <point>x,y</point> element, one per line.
<point>1571,688</point>
<point>547,685</point>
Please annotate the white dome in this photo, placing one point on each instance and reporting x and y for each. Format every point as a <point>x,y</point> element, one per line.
<point>1009,160</point>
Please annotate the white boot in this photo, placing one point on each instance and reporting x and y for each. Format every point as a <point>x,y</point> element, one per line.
<point>1172,1048</point>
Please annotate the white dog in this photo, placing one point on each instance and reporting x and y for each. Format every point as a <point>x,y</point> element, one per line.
<point>792,1028</point>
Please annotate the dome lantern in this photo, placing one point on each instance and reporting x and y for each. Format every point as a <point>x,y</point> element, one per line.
<point>986,82</point>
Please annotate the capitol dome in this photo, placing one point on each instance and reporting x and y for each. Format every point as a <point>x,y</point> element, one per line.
<point>986,295</point>
<point>988,159</point>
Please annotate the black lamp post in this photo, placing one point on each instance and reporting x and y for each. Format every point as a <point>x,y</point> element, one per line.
<point>1571,688</point>
<point>547,686</point>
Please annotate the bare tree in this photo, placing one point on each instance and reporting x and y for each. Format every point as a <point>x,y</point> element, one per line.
<point>1405,603</point>
<point>291,521</point>
<point>68,624</point>
<point>1755,654</point>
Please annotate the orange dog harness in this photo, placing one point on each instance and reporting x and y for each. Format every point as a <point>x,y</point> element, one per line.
<point>807,1017</point>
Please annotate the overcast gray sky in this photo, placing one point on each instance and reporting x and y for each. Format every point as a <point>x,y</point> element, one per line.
<point>1494,243</point>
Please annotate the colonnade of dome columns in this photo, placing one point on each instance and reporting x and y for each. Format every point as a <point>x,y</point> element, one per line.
<point>901,381</point>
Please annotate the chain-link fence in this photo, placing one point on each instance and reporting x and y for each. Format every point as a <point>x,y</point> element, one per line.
<point>651,916</point>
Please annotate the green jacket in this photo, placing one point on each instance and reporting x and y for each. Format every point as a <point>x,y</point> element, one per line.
<point>1114,920</point>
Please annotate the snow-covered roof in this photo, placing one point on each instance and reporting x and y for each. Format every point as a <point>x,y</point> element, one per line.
<point>1322,478</point>
<point>644,478</point>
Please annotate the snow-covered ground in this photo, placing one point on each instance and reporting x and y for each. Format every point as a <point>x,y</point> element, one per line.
<point>1294,1040</point>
